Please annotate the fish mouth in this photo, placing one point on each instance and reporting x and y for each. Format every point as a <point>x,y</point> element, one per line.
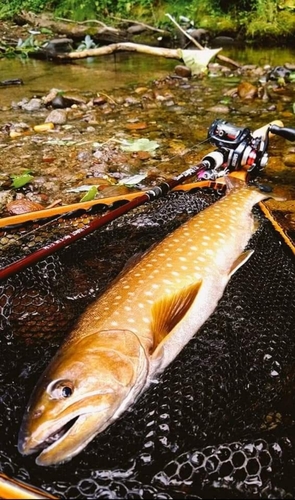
<point>57,435</point>
<point>62,442</point>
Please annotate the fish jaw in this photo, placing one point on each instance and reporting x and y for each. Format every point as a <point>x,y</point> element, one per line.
<point>105,381</point>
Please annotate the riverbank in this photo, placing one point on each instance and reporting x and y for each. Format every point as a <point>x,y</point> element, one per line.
<point>270,24</point>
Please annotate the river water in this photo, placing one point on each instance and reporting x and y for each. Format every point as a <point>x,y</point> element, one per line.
<point>109,72</point>
<point>178,121</point>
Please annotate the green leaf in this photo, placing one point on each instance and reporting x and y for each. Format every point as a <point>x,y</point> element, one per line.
<point>139,145</point>
<point>46,31</point>
<point>198,60</point>
<point>19,181</point>
<point>90,195</point>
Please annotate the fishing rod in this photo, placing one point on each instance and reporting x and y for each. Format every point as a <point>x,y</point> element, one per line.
<point>237,149</point>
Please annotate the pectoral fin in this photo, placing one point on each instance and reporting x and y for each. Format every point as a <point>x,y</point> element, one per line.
<point>170,309</point>
<point>240,261</point>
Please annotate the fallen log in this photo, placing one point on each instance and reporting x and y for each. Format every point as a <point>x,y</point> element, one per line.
<point>99,32</point>
<point>121,47</point>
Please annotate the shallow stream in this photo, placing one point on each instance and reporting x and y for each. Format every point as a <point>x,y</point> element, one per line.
<point>141,98</point>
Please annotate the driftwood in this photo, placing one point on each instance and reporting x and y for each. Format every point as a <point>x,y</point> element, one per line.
<point>98,31</point>
<point>121,47</point>
<point>128,47</point>
<point>140,24</point>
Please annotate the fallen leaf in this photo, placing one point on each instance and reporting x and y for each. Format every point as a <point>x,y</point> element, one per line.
<point>133,180</point>
<point>80,189</point>
<point>90,195</point>
<point>138,145</point>
<point>23,206</point>
<point>19,181</point>
<point>198,60</point>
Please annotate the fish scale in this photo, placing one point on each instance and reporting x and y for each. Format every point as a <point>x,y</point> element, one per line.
<point>133,332</point>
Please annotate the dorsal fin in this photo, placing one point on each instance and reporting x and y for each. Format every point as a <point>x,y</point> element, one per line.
<point>170,309</point>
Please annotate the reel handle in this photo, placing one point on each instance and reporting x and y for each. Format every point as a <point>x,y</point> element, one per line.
<point>285,132</point>
<point>262,131</point>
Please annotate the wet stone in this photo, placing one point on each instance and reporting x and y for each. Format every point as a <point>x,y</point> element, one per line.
<point>57,116</point>
<point>182,71</point>
<point>59,46</point>
<point>33,105</point>
<point>290,160</point>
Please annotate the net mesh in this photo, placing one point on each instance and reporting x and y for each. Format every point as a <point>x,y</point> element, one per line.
<point>218,423</point>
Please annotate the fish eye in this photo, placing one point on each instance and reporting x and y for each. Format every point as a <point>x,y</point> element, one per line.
<point>66,391</point>
<point>60,389</point>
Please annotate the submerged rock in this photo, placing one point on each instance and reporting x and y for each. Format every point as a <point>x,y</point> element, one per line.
<point>57,117</point>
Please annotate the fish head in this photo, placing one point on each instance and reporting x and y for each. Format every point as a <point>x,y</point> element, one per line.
<point>85,387</point>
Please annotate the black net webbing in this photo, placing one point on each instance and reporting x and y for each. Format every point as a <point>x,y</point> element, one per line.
<point>220,421</point>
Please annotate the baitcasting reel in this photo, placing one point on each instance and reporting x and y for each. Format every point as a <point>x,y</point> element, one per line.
<point>238,149</point>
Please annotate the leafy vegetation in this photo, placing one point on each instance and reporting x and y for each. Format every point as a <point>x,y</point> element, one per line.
<point>250,18</point>
<point>19,181</point>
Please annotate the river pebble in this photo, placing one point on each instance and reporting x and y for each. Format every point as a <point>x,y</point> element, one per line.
<point>57,116</point>
<point>33,105</point>
<point>290,160</point>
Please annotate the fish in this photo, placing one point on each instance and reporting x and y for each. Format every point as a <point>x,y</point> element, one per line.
<point>137,327</point>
